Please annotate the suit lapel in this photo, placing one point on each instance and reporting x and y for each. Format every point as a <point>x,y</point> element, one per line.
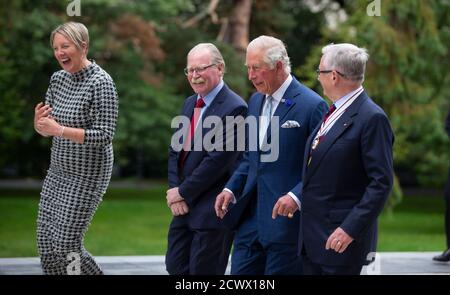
<point>307,151</point>
<point>286,104</point>
<point>210,110</point>
<point>217,101</point>
<point>259,103</point>
<point>187,112</point>
<point>189,108</point>
<point>342,124</point>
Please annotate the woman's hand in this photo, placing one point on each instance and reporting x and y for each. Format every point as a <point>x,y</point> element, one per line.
<point>41,111</point>
<point>49,127</point>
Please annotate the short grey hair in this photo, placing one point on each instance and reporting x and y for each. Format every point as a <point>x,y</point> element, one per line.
<point>75,32</point>
<point>348,59</point>
<point>216,56</point>
<point>274,51</point>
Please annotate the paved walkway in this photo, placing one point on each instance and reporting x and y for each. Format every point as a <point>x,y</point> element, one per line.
<point>389,263</point>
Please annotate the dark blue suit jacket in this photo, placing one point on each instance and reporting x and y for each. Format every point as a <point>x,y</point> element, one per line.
<point>204,173</point>
<point>347,183</point>
<point>271,180</point>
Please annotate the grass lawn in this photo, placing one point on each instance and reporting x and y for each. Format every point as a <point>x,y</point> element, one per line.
<point>135,222</point>
<point>128,222</point>
<point>416,225</point>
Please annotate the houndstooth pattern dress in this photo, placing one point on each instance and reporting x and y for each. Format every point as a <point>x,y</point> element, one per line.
<point>79,173</point>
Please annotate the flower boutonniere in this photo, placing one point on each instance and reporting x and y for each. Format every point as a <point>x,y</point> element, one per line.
<point>287,102</point>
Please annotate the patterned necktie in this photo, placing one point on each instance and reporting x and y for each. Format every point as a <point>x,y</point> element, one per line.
<point>330,111</point>
<point>265,118</point>
<point>194,119</point>
<point>316,141</point>
<point>197,111</point>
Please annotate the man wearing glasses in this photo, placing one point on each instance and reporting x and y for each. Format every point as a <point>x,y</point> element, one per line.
<point>347,172</point>
<point>197,241</point>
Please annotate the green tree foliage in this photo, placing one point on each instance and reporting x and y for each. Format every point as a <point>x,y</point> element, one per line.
<point>407,75</point>
<point>26,65</point>
<point>123,42</point>
<point>143,46</point>
<point>139,43</point>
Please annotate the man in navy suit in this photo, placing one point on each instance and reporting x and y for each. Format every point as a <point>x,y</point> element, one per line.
<point>198,243</point>
<point>347,170</point>
<point>266,183</point>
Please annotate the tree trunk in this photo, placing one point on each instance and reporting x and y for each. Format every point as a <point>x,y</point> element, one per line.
<point>239,25</point>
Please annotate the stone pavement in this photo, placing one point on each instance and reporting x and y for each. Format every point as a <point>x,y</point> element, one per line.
<point>389,263</point>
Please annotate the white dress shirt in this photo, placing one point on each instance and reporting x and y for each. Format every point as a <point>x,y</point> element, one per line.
<point>277,96</point>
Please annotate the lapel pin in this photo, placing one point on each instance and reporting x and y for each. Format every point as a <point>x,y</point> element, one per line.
<point>287,101</point>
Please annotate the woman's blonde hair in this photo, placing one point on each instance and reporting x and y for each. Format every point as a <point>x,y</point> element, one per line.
<point>75,32</point>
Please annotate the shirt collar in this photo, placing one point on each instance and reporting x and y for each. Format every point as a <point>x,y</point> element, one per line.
<point>208,99</point>
<point>278,95</point>
<point>343,99</point>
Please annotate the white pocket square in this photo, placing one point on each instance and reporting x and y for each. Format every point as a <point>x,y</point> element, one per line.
<point>290,124</point>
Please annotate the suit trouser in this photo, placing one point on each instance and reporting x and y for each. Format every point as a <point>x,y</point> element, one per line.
<point>197,251</point>
<point>254,256</point>
<point>311,268</point>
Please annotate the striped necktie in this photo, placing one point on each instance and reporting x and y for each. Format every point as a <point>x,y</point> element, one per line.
<point>265,118</point>
<point>199,104</point>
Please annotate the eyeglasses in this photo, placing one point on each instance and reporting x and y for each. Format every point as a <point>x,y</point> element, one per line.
<point>199,70</point>
<point>318,71</point>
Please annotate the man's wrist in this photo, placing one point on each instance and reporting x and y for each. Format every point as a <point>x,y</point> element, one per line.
<point>233,199</point>
<point>296,200</point>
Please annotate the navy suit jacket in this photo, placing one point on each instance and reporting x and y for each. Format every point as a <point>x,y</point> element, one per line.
<point>204,173</point>
<point>260,184</point>
<point>347,183</point>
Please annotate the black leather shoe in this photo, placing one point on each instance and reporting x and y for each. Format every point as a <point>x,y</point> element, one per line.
<point>444,257</point>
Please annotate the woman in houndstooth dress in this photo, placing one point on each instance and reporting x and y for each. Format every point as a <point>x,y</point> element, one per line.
<point>80,113</point>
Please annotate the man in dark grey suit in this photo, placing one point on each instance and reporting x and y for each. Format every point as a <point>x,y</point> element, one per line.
<point>347,170</point>
<point>197,241</point>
